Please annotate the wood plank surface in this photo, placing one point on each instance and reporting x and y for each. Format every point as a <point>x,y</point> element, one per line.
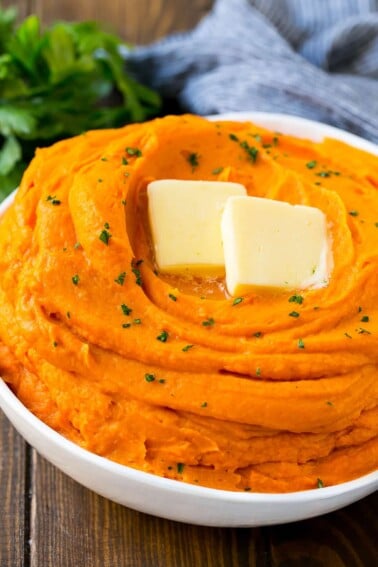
<point>137,21</point>
<point>14,497</point>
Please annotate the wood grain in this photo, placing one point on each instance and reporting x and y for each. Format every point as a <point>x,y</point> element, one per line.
<point>137,21</point>
<point>14,494</point>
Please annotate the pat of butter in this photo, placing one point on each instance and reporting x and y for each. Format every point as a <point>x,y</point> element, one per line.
<point>185,218</point>
<point>273,244</point>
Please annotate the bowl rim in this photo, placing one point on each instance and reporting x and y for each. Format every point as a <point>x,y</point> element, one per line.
<point>9,402</point>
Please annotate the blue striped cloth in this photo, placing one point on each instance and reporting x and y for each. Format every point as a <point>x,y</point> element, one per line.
<point>312,58</point>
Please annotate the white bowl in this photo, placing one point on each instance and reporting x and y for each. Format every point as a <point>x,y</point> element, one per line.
<point>176,500</point>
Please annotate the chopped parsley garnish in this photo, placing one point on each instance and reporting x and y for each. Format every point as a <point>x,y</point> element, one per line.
<point>187,347</point>
<point>104,159</point>
<point>55,344</point>
<point>105,236</point>
<point>252,152</point>
<point>120,279</point>
<point>133,152</point>
<point>233,137</point>
<point>163,337</point>
<point>296,299</point>
<point>180,468</point>
<point>319,483</point>
<point>204,405</point>
<point>365,319</point>
<point>53,200</point>
<point>137,321</point>
<point>294,314</point>
<point>258,371</point>
<point>123,202</point>
<point>75,279</point>
<point>347,335</point>
<point>126,325</point>
<point>124,161</point>
<point>208,323</point>
<point>237,300</point>
<point>126,310</point>
<point>161,380</point>
<point>311,164</point>
<point>329,403</point>
<point>173,297</point>
<point>217,170</point>
<point>258,334</point>
<point>149,377</point>
<point>353,213</point>
<point>362,331</point>
<point>138,277</point>
<point>324,174</point>
<point>106,225</point>
<point>77,245</point>
<point>301,343</point>
<point>193,159</point>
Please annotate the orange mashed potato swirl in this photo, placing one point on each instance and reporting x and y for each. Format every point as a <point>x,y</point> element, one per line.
<point>168,374</point>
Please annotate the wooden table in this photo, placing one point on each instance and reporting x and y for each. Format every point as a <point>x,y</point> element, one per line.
<point>48,520</point>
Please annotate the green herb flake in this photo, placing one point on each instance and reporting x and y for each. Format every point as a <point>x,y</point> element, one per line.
<point>68,315</point>
<point>120,279</point>
<point>347,335</point>
<point>163,337</point>
<point>301,343</point>
<point>365,319</point>
<point>233,137</point>
<point>125,310</point>
<point>258,371</point>
<point>180,467</point>
<point>329,403</point>
<point>193,159</point>
<point>123,202</point>
<point>376,224</point>
<point>138,277</point>
<point>126,325</point>
<point>324,174</point>
<point>77,245</point>
<point>104,159</point>
<point>237,300</point>
<point>319,483</point>
<point>362,331</point>
<point>208,322</point>
<point>204,405</point>
<point>133,152</point>
<point>251,151</point>
<point>100,180</point>
<point>296,299</point>
<point>55,344</point>
<point>124,161</point>
<point>217,170</point>
<point>149,377</point>
<point>258,334</point>
<point>75,279</point>
<point>294,314</point>
<point>173,297</point>
<point>187,347</point>
<point>53,200</point>
<point>105,236</point>
<point>353,213</point>
<point>106,225</point>
<point>311,164</point>
<point>161,380</point>
<point>137,321</point>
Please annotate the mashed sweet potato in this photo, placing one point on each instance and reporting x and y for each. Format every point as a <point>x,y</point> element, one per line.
<point>168,374</point>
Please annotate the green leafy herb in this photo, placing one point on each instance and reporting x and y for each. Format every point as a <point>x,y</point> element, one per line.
<point>233,137</point>
<point>208,323</point>
<point>120,279</point>
<point>125,310</point>
<point>137,321</point>
<point>237,300</point>
<point>105,236</point>
<point>55,344</point>
<point>296,299</point>
<point>365,319</point>
<point>251,151</point>
<point>138,276</point>
<point>301,343</point>
<point>347,335</point>
<point>124,161</point>
<point>75,279</point>
<point>187,347</point>
<point>193,159</point>
<point>294,314</point>
<point>180,468</point>
<point>57,82</point>
<point>163,337</point>
<point>311,164</point>
<point>258,371</point>
<point>53,200</point>
<point>204,405</point>
<point>149,377</point>
<point>217,170</point>
<point>362,331</point>
<point>133,152</point>
<point>329,403</point>
<point>319,483</point>
<point>173,297</point>
<point>353,213</point>
<point>126,325</point>
<point>258,334</point>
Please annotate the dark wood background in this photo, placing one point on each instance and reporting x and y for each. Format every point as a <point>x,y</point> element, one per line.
<point>48,520</point>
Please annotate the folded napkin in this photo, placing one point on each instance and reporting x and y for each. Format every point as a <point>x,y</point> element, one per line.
<point>312,58</point>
